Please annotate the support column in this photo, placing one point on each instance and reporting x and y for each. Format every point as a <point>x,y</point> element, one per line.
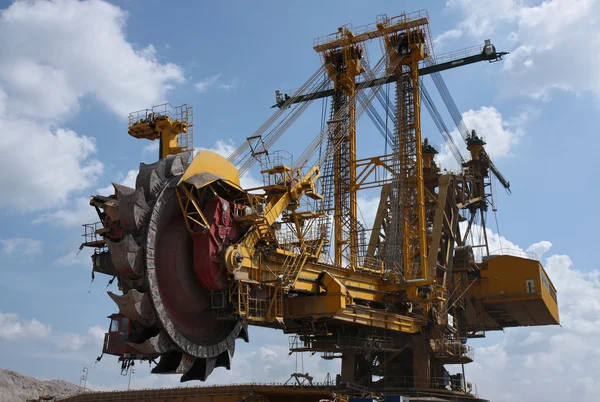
<point>421,363</point>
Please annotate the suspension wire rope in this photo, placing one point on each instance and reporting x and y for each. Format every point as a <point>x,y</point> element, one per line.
<point>276,115</point>
<point>323,135</point>
<point>278,130</point>
<point>439,122</point>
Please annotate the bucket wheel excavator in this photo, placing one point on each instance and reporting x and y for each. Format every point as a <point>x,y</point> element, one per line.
<point>198,258</point>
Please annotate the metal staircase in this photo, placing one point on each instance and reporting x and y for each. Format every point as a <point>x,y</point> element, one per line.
<point>293,264</point>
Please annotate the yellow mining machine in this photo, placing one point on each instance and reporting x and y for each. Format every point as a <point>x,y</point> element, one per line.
<point>199,258</point>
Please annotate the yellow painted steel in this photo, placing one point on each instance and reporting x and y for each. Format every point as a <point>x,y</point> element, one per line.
<point>208,166</point>
<point>344,76</point>
<point>165,129</point>
<point>372,31</point>
<point>380,319</point>
<point>291,281</point>
<point>412,188</point>
<point>520,288</point>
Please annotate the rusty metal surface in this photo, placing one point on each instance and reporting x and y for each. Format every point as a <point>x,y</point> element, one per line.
<point>270,392</point>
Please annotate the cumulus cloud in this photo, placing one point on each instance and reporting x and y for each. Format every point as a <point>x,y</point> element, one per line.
<point>69,49</point>
<point>54,53</point>
<point>548,362</point>
<point>79,213</point>
<point>440,40</point>
<point>20,245</point>
<point>127,180</point>
<point>151,149</point>
<point>500,134</point>
<point>14,327</point>
<point>536,35</point>
<point>56,163</point>
<point>215,81</point>
<point>539,248</point>
<point>74,342</point>
<point>223,148</point>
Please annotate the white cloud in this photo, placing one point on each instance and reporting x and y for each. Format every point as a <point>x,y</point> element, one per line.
<point>230,86</point>
<point>72,258</point>
<point>204,85</point>
<point>75,342</point>
<point>549,362</point>
<point>54,53</point>
<point>532,338</point>
<point>539,248</point>
<point>497,244</point>
<point>223,148</point>
<point>500,135</point>
<point>536,33</point>
<point>440,40</point>
<point>481,18</point>
<point>126,180</point>
<point>70,342</point>
<point>21,245</point>
<point>152,148</point>
<point>14,327</point>
<point>79,213</point>
<point>226,148</point>
<point>52,165</point>
<point>367,207</point>
<point>215,81</point>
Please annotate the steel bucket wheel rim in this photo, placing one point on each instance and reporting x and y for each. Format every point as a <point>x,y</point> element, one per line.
<point>187,346</point>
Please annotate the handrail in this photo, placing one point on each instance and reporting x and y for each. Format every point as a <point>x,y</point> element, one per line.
<point>513,252</point>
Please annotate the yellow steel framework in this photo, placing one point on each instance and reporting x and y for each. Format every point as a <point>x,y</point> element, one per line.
<point>412,192</point>
<point>171,125</point>
<point>410,297</point>
<point>405,44</point>
<point>343,65</point>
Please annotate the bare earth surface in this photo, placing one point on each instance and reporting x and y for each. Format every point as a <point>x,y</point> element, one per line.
<point>18,388</point>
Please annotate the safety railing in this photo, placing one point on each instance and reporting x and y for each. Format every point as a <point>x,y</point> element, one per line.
<point>184,391</point>
<point>396,21</point>
<point>337,343</point>
<point>513,252</point>
<point>452,347</point>
<point>459,54</point>
<point>181,113</point>
<point>90,232</point>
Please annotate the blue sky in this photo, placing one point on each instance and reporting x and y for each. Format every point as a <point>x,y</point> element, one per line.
<point>70,73</point>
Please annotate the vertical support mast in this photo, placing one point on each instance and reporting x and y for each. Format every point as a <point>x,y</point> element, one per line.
<point>406,48</point>
<point>343,66</point>
<point>172,126</point>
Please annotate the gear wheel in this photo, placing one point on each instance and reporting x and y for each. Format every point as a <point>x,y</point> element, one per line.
<point>153,260</point>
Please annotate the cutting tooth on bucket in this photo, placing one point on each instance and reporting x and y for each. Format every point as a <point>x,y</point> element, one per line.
<point>199,370</point>
<point>168,363</point>
<point>174,166</point>
<point>151,178</point>
<point>127,257</point>
<point>133,209</point>
<point>243,334</point>
<point>129,284</point>
<point>186,363</point>
<point>169,308</point>
<point>224,359</point>
<point>157,345</point>
<point>136,306</point>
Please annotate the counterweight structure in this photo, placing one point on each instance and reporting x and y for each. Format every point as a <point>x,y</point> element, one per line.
<point>198,258</point>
